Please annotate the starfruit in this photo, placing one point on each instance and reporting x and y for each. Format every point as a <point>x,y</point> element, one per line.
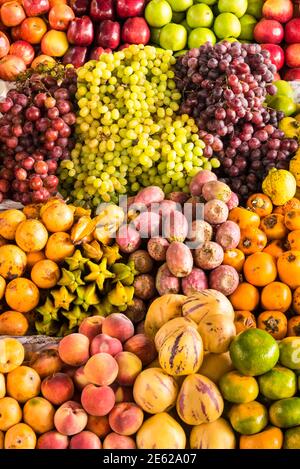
<point>69,279</point>
<point>99,273</point>
<point>117,296</point>
<point>75,316</point>
<point>62,298</point>
<point>50,328</point>
<point>76,262</point>
<point>111,253</point>
<point>48,311</point>
<point>87,296</point>
<point>82,228</point>
<point>108,220</point>
<point>124,272</point>
<point>93,250</point>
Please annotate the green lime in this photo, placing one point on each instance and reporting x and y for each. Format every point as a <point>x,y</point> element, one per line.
<point>248,23</point>
<point>292,438</point>
<point>278,383</point>
<point>289,349</point>
<point>237,7</point>
<point>285,413</point>
<point>227,25</point>
<point>238,388</point>
<point>200,36</point>
<point>248,418</point>
<point>254,352</point>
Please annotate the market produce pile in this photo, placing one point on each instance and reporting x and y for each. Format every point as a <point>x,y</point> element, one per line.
<point>150,262</point>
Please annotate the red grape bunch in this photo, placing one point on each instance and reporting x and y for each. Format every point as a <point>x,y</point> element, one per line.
<point>224,89</point>
<point>35,133</point>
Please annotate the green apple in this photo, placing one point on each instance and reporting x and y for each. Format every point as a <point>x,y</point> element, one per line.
<point>199,16</point>
<point>173,37</point>
<point>227,25</point>
<point>284,104</point>
<point>184,23</point>
<point>207,2</point>
<point>237,7</point>
<point>158,13</point>
<point>178,16</point>
<point>155,33</point>
<point>180,5</point>
<point>255,8</point>
<point>200,36</point>
<point>230,39</point>
<point>284,88</point>
<point>248,23</point>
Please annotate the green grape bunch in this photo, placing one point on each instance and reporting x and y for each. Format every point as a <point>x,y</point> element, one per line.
<point>128,132</point>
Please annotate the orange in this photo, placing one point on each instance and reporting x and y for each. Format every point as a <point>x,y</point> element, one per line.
<point>289,268</point>
<point>270,438</point>
<point>260,269</point>
<point>13,323</point>
<point>11,354</point>
<point>23,383</point>
<point>45,274</point>
<point>276,296</point>
<point>31,235</point>
<point>245,297</point>
<point>20,436</point>
<point>22,295</point>
<point>235,258</point>
<point>39,414</point>
<point>10,413</point>
<point>34,257</point>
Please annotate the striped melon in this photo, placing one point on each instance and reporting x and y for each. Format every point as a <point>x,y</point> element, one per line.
<point>171,327</point>
<point>201,304</point>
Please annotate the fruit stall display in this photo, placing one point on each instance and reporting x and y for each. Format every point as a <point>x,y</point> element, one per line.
<point>170,320</point>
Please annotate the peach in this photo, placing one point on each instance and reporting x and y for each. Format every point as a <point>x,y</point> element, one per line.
<point>98,425</point>
<point>57,388</point>
<point>119,326</point>
<point>91,326</point>
<point>143,347</point>
<point>46,362</point>
<point>52,440</point>
<point>115,441</point>
<point>129,367</point>
<point>126,418</point>
<point>97,400</point>
<point>80,379</point>
<point>38,413</point>
<point>70,418</point>
<point>11,354</point>
<point>105,343</point>
<point>85,440</point>
<point>73,349</point>
<point>2,386</point>
<point>101,369</point>
<point>123,394</point>
<point>10,413</point>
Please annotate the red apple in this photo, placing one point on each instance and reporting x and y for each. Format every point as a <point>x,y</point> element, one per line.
<point>292,74</point>
<point>76,56</point>
<point>280,10</point>
<point>276,54</point>
<point>60,17</point>
<point>24,50</point>
<point>97,51</point>
<point>10,67</point>
<point>128,8</point>
<point>81,31</point>
<point>135,31</point>
<point>4,45</point>
<point>102,10</point>
<point>268,32</point>
<point>292,31</point>
<point>36,7</point>
<point>292,56</point>
<point>12,13</point>
<point>108,35</point>
<point>80,7</point>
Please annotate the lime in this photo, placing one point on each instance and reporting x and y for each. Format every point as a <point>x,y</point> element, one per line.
<point>254,352</point>
<point>285,413</point>
<point>227,25</point>
<point>199,16</point>
<point>173,37</point>
<point>200,36</point>
<point>278,383</point>
<point>237,7</point>
<point>248,23</point>
<point>292,438</point>
<point>238,388</point>
<point>289,349</point>
<point>248,418</point>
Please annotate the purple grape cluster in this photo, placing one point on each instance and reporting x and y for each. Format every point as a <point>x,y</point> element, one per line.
<point>35,133</point>
<point>224,89</point>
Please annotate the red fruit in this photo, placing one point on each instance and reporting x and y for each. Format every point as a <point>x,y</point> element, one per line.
<point>136,31</point>
<point>276,54</point>
<point>41,167</point>
<point>280,10</point>
<point>108,35</point>
<point>102,10</point>
<point>4,45</point>
<point>128,8</point>
<point>35,183</point>
<point>97,52</point>
<point>268,31</point>
<point>24,50</point>
<point>36,7</point>
<point>292,31</point>
<point>76,56</point>
<point>81,31</point>
<point>293,74</point>
<point>28,163</point>
<point>51,182</point>
<point>292,56</point>
<point>4,185</point>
